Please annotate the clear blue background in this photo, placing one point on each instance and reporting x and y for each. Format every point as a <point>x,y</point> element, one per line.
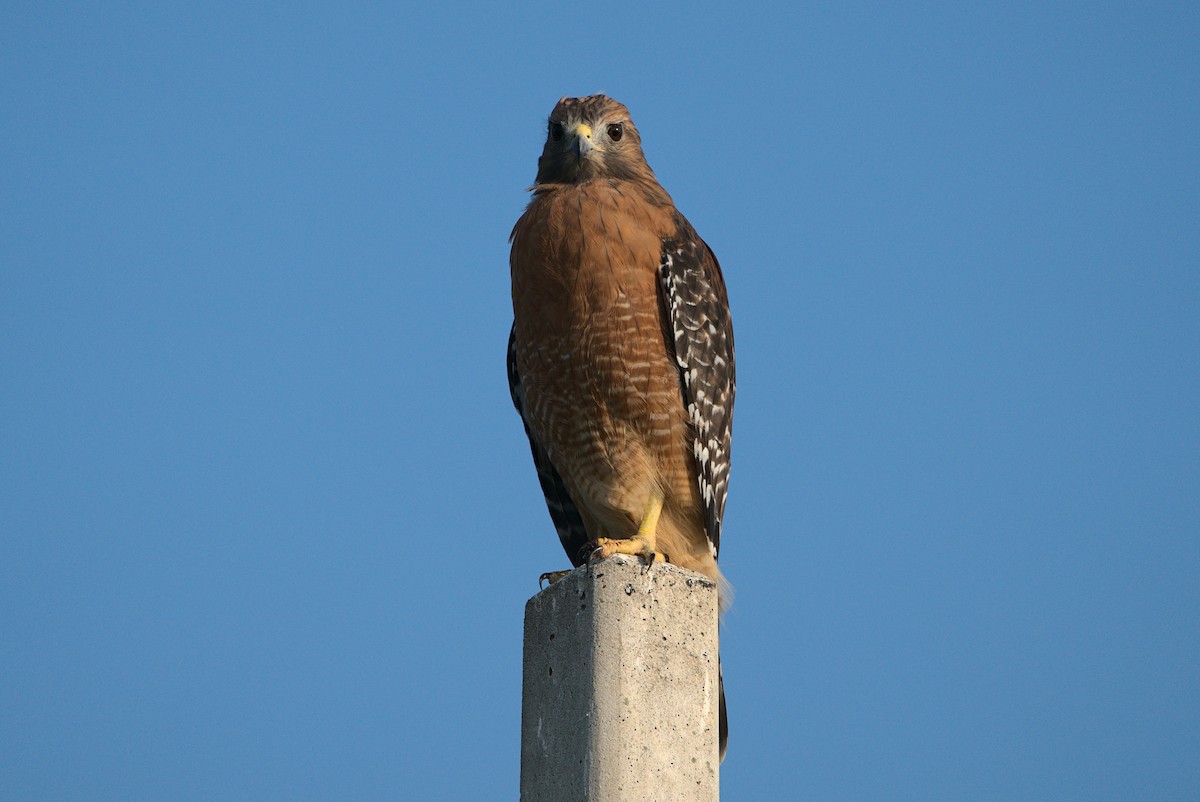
<point>267,518</point>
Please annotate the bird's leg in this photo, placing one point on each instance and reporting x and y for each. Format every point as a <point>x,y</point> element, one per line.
<point>553,576</point>
<point>643,543</point>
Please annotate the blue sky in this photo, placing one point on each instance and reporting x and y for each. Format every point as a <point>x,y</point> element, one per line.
<point>268,521</point>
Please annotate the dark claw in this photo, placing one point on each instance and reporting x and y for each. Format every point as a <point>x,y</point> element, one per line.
<point>588,550</point>
<point>592,548</point>
<point>654,556</point>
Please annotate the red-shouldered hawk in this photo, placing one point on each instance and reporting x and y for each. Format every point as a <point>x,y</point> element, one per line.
<point>620,359</point>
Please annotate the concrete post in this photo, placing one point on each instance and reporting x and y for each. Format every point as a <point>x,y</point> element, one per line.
<point>619,697</point>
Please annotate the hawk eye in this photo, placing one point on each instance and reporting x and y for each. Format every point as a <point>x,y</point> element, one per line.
<point>556,131</point>
<point>616,131</point>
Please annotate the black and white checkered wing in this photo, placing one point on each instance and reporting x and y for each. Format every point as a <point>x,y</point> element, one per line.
<point>696,312</point>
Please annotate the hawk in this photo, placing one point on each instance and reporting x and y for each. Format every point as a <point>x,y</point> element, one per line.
<point>620,359</point>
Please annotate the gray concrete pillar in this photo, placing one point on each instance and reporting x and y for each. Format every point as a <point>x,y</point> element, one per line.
<point>619,696</point>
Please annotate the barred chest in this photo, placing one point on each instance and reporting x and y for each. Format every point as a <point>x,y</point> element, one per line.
<point>590,338</point>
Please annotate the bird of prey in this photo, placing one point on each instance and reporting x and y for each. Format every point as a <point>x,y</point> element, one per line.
<point>620,359</point>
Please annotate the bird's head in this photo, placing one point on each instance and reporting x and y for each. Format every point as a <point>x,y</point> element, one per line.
<point>591,137</point>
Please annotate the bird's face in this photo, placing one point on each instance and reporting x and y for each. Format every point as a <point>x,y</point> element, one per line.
<point>587,138</point>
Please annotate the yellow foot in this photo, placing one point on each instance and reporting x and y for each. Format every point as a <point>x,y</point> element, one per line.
<point>642,544</point>
<point>608,546</point>
<point>552,576</point>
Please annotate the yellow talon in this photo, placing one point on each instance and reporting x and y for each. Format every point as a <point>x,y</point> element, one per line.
<point>641,544</point>
<point>552,576</point>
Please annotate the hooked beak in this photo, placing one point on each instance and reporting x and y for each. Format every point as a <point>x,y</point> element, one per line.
<point>583,141</point>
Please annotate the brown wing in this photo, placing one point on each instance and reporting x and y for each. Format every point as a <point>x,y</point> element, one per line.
<point>563,512</point>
